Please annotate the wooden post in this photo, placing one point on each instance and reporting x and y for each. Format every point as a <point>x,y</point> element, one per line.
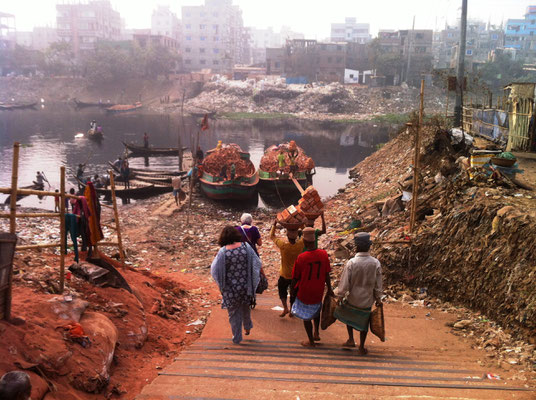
<point>63,240</point>
<point>14,180</point>
<point>179,141</point>
<point>447,108</point>
<point>116,216</point>
<point>416,163</point>
<point>192,178</point>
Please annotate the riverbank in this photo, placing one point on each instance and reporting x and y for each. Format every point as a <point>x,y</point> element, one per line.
<point>251,99</point>
<point>464,262</point>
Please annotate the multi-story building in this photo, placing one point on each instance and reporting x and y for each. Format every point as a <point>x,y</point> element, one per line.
<point>83,24</point>
<point>38,39</point>
<point>7,31</point>
<point>165,23</point>
<point>213,36</point>
<point>520,34</point>
<point>350,31</point>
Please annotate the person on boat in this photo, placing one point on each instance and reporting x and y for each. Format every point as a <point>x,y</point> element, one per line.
<point>118,163</point>
<point>219,145</point>
<point>293,156</point>
<point>250,233</point>
<point>93,125</point>
<point>236,269</point>
<point>97,182</point>
<point>233,171</point>
<point>199,154</point>
<point>310,275</point>
<point>361,286</point>
<point>39,180</point>
<point>311,170</point>
<point>290,249</point>
<point>178,193</point>
<point>125,173</point>
<point>281,162</point>
<point>99,129</point>
<point>145,140</point>
<point>223,172</point>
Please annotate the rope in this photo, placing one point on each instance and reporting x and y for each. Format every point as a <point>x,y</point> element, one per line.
<point>280,198</point>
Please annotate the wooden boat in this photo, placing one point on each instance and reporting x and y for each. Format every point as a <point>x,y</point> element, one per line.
<point>149,172</point>
<point>15,106</point>
<point>147,176</point>
<point>273,182</point>
<point>35,186</point>
<point>137,190</point>
<point>142,151</point>
<point>94,135</point>
<point>240,188</point>
<point>121,108</point>
<point>81,104</point>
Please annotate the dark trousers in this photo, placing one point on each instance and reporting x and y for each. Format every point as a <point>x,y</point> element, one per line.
<point>71,227</point>
<point>283,285</point>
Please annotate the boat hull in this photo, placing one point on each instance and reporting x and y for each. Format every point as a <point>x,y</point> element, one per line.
<point>228,190</point>
<point>269,183</point>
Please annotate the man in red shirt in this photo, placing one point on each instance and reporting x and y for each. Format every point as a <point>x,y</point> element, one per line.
<point>310,275</point>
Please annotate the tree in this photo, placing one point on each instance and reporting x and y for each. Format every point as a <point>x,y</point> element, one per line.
<point>59,59</point>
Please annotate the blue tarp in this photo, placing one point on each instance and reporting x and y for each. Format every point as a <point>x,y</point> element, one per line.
<point>492,124</point>
<point>299,80</point>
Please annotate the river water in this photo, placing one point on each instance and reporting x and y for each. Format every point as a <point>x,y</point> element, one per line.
<point>48,141</point>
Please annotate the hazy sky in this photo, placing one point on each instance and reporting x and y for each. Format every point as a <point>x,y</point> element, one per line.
<point>312,17</point>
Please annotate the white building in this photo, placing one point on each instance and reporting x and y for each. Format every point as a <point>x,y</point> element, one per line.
<point>165,23</point>
<point>350,31</point>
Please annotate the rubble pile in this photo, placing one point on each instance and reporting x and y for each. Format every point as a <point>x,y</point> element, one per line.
<point>269,161</point>
<point>228,156</point>
<point>475,242</point>
<point>272,95</point>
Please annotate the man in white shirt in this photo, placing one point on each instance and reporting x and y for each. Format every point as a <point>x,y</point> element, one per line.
<point>361,286</point>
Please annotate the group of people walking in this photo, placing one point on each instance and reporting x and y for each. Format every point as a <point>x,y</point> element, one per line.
<point>305,274</point>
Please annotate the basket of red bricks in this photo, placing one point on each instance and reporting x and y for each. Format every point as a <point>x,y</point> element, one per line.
<point>310,204</point>
<point>291,218</point>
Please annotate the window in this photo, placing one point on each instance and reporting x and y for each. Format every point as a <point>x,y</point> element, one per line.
<point>202,51</point>
<point>187,61</point>
<point>215,62</point>
<point>202,26</point>
<point>215,27</point>
<point>202,38</point>
<point>469,52</point>
<point>202,62</point>
<point>330,59</point>
<point>202,14</point>
<point>216,38</point>
<point>216,51</point>
<point>214,14</point>
<point>188,38</point>
<point>494,36</point>
<point>419,36</point>
<point>277,64</point>
<point>339,60</point>
<point>188,26</point>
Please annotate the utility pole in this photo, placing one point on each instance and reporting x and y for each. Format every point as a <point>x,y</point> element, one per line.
<point>409,49</point>
<point>458,106</point>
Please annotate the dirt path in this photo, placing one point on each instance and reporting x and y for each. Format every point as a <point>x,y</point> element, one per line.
<point>420,358</point>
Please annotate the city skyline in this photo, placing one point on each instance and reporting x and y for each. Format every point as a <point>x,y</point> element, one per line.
<point>315,24</point>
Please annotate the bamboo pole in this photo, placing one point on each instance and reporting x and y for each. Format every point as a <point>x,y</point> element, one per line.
<point>192,179</point>
<point>31,215</point>
<point>416,162</point>
<point>28,192</point>
<point>63,238</point>
<point>447,108</point>
<point>13,191</point>
<point>116,215</point>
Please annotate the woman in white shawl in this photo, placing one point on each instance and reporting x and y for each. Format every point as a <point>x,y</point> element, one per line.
<point>236,269</point>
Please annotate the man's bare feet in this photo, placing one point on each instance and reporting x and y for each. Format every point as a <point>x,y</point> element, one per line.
<point>247,331</point>
<point>307,343</point>
<point>285,312</point>
<point>363,351</point>
<point>316,337</point>
<point>348,343</point>
<point>290,315</point>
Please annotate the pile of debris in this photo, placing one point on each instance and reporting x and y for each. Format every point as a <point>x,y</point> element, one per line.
<point>274,96</point>
<point>269,162</point>
<point>475,242</point>
<point>227,156</point>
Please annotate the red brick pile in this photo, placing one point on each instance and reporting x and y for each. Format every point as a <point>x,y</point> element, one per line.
<point>228,155</point>
<point>310,203</point>
<point>291,217</point>
<point>269,161</point>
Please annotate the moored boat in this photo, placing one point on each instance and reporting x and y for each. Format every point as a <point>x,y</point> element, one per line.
<point>273,180</point>
<point>17,106</point>
<point>136,190</point>
<point>95,135</point>
<point>217,181</point>
<point>81,104</point>
<point>142,151</point>
<point>35,186</point>
<point>120,108</point>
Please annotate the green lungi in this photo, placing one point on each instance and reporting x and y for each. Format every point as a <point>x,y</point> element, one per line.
<point>357,318</point>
